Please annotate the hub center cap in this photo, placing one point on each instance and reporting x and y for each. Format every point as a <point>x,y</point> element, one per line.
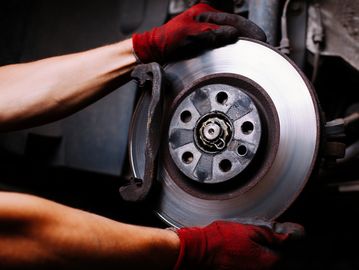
<point>213,132</point>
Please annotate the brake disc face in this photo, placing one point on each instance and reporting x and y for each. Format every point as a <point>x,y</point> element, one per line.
<point>240,139</point>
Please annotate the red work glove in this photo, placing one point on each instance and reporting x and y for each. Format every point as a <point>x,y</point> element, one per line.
<point>200,27</point>
<point>228,245</point>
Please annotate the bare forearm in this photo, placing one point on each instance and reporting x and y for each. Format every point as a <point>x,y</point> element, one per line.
<point>44,235</point>
<point>45,90</point>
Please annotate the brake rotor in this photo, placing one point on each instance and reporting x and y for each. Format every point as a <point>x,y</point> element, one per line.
<point>240,140</point>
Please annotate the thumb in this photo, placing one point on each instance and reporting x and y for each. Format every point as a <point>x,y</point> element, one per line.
<point>218,37</point>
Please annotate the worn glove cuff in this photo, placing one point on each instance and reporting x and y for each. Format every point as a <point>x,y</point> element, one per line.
<point>192,248</point>
<point>145,48</point>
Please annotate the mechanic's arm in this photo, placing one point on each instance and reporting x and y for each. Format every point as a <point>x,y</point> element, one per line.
<point>39,234</point>
<point>46,90</point>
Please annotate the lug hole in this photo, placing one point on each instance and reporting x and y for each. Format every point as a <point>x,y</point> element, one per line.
<point>187,157</point>
<point>186,116</point>
<point>225,165</point>
<point>222,98</point>
<point>247,127</point>
<point>242,150</point>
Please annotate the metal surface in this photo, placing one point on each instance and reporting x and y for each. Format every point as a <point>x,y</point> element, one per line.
<point>294,154</point>
<point>341,27</point>
<point>214,133</point>
<point>150,79</point>
<point>297,18</point>
<point>265,13</point>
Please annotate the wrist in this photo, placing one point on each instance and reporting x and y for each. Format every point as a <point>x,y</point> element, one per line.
<point>173,243</point>
<point>138,60</point>
<point>125,52</point>
<point>192,248</point>
<point>145,46</point>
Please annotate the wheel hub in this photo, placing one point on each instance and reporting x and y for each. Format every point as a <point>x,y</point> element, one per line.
<point>214,133</point>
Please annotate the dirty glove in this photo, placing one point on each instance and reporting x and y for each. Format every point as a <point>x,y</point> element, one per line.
<point>230,245</point>
<point>200,27</point>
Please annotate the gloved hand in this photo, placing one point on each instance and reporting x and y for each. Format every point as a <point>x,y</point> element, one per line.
<point>226,245</point>
<point>200,27</point>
